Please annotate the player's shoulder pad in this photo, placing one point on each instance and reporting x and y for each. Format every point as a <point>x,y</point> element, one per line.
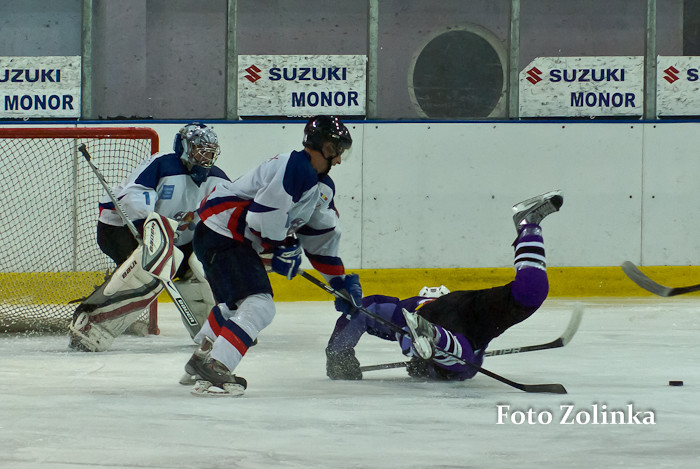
<point>327,187</point>
<point>299,175</point>
<point>218,172</point>
<point>379,299</point>
<point>326,179</point>
<point>159,167</point>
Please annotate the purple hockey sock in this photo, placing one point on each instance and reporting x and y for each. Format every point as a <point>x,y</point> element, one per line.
<point>458,345</point>
<point>531,285</point>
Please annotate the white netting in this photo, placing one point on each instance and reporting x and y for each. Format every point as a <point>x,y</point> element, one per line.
<point>48,205</point>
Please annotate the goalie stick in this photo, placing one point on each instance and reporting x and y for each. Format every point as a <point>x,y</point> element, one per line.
<point>189,319</point>
<point>560,341</point>
<point>539,388</point>
<point>638,277</point>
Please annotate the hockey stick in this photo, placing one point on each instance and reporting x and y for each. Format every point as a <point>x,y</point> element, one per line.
<point>560,341</point>
<point>550,388</point>
<point>638,277</point>
<point>188,317</point>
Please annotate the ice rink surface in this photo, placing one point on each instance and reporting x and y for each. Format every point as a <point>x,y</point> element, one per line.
<point>125,409</point>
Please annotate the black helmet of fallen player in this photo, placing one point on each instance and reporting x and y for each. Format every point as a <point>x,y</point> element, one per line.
<point>198,147</point>
<point>322,129</point>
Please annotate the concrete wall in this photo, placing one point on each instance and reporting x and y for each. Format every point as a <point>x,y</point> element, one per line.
<point>167,59</point>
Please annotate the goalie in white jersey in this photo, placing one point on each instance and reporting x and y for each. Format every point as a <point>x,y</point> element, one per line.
<point>168,184</point>
<point>284,205</point>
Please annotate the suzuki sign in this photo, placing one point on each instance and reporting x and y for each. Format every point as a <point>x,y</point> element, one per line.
<point>301,85</point>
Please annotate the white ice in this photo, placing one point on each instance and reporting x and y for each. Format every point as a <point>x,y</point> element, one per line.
<point>125,409</point>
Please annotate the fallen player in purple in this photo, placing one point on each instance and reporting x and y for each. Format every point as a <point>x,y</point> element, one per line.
<point>462,323</point>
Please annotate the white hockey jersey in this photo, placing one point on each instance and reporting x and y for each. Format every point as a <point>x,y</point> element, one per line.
<point>162,185</point>
<point>284,196</point>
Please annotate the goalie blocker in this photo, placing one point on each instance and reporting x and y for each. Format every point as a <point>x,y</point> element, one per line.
<point>135,284</point>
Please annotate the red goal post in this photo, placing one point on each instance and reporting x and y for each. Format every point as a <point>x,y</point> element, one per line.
<point>49,257</point>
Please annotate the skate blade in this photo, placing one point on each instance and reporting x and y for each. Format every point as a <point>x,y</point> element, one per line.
<point>421,345</point>
<point>188,379</point>
<point>423,348</point>
<point>520,206</point>
<point>206,389</point>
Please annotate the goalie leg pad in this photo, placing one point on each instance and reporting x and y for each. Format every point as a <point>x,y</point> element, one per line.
<point>194,292</point>
<point>95,331</point>
<point>198,271</point>
<point>88,337</point>
<point>114,306</point>
<point>134,285</point>
<point>160,257</point>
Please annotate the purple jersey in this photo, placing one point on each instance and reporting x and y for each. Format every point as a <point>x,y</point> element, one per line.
<point>466,320</point>
<point>348,331</point>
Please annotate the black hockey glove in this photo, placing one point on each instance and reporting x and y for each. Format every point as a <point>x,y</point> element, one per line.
<point>426,369</point>
<point>419,368</point>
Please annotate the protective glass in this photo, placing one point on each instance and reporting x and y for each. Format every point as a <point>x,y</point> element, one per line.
<point>332,150</point>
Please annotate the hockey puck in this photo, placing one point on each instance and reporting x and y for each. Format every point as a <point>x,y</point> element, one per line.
<point>675,383</point>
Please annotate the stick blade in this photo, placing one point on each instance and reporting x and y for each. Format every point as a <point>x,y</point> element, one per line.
<point>555,388</point>
<point>573,325</point>
<point>638,277</point>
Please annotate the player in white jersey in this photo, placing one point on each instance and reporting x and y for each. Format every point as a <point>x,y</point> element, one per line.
<point>275,211</point>
<point>168,184</point>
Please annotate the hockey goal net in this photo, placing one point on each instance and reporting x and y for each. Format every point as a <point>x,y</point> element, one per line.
<point>49,256</point>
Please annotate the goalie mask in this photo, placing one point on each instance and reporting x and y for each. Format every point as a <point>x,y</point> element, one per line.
<point>198,147</point>
<point>328,135</point>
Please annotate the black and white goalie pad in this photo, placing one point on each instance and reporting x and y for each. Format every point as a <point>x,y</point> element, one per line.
<point>196,291</point>
<point>134,285</point>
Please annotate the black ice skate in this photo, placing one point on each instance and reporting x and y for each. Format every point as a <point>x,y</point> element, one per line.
<point>532,211</point>
<point>342,365</point>
<point>215,380</point>
<point>200,355</point>
<point>196,360</point>
<point>422,334</point>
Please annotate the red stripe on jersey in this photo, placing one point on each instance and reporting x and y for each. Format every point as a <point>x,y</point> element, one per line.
<point>236,225</point>
<point>234,340</point>
<point>236,221</point>
<point>328,269</point>
<point>221,207</point>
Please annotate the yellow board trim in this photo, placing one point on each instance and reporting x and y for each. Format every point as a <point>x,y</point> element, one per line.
<point>563,281</point>
<point>38,288</point>
<point>29,288</point>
